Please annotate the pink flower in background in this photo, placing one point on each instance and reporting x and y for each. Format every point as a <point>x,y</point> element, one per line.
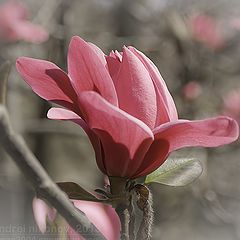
<point>192,90</point>
<point>102,216</point>
<point>124,106</point>
<point>14,25</point>
<point>206,30</point>
<point>235,23</point>
<point>42,214</point>
<point>231,104</point>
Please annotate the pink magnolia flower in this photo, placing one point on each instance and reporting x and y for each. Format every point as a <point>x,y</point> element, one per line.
<point>14,25</point>
<point>42,213</point>
<point>234,23</point>
<point>123,104</point>
<point>102,216</point>
<point>206,30</point>
<point>231,104</point>
<point>192,90</point>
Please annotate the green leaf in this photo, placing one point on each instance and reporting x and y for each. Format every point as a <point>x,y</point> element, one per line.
<point>176,172</point>
<point>76,192</point>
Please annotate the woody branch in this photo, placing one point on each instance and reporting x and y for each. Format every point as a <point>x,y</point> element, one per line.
<point>30,167</point>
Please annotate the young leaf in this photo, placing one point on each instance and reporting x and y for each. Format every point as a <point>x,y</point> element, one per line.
<point>176,172</point>
<point>76,192</point>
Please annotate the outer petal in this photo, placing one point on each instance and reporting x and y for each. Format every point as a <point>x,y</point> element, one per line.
<point>103,217</point>
<point>166,108</point>
<point>211,132</point>
<point>87,71</point>
<point>63,114</point>
<point>98,52</point>
<point>121,134</point>
<point>48,81</point>
<point>154,158</point>
<point>112,63</point>
<point>135,89</point>
<point>42,212</point>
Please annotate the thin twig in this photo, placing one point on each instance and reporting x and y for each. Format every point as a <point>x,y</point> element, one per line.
<point>44,186</point>
<point>121,203</point>
<point>38,177</point>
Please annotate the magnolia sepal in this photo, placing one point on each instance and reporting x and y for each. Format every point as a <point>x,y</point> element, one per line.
<point>76,192</point>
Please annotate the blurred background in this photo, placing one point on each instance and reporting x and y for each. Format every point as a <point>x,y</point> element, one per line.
<point>196,46</point>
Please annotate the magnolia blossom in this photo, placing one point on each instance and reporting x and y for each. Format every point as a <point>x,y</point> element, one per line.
<point>42,213</point>
<point>124,106</point>
<point>102,216</point>
<point>14,25</point>
<point>231,104</point>
<point>205,29</point>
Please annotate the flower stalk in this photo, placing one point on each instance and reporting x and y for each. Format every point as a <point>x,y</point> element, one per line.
<point>121,202</point>
<point>122,195</point>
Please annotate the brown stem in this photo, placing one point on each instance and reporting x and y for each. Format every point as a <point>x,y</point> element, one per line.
<point>123,214</point>
<point>44,186</point>
<point>121,203</point>
<point>131,221</point>
<point>38,177</point>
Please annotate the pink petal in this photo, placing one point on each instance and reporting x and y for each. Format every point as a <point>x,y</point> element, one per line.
<point>87,71</point>
<point>48,81</point>
<point>64,114</point>
<point>113,67</point>
<point>135,89</point>
<point>118,55</point>
<point>41,212</point>
<point>211,132</point>
<point>98,52</point>
<point>112,54</point>
<point>121,134</point>
<point>154,158</point>
<point>72,235</point>
<point>166,108</point>
<point>30,32</point>
<point>103,217</point>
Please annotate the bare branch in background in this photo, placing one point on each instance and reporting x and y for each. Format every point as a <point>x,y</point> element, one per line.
<point>4,72</point>
<point>37,176</point>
